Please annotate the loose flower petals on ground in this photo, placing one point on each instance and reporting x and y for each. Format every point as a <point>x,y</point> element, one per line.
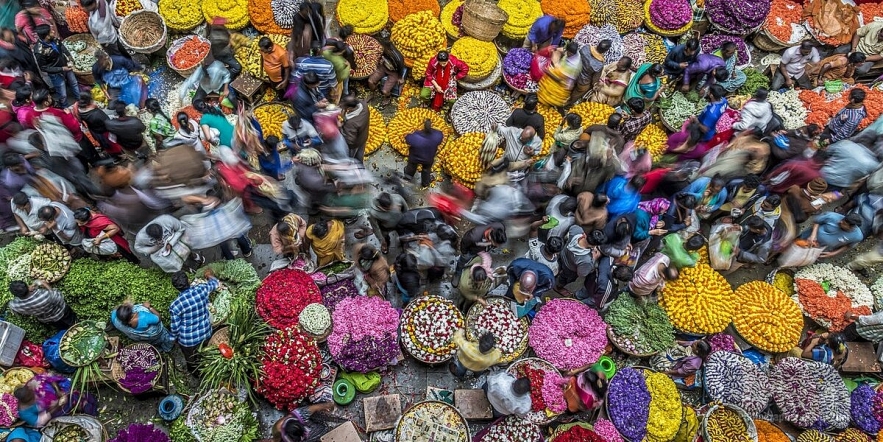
<point>568,334</point>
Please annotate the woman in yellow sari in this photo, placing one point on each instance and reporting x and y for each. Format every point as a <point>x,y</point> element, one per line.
<point>326,238</point>
<point>561,75</point>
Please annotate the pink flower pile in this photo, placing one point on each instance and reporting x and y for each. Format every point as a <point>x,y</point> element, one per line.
<point>605,429</point>
<point>8,409</point>
<point>553,392</point>
<point>568,334</point>
<point>365,334</point>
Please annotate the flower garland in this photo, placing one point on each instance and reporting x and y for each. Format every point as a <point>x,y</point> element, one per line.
<point>668,18</point>
<point>478,111</point>
<point>332,294</point>
<point>284,12</point>
<point>8,409</point>
<point>575,11</point>
<point>260,13</point>
<point>516,69</point>
<point>522,15</point>
<point>551,119</point>
<point>419,37</point>
<point>826,293</point>
<point>654,139</point>
<point>628,403</point>
<point>603,12</point>
<point>291,367</point>
<point>77,18</point>
<point>451,18</point>
<point>510,429</point>
<point>480,56</point>
<point>767,318</point>
<point>591,36</point>
<point>644,48</point>
<point>823,106</point>
<point>234,11</point>
<point>497,318</point>
<point>553,392</point>
<point>410,120</point>
<point>367,52</point>
<point>712,42</point>
<point>723,342</point>
<point>734,379</point>
<point>640,328</point>
<point>314,319</point>
<point>606,430</point>
<point>365,16</point>
<point>568,334</point>
<point>629,15</point>
<point>180,15</point>
<point>283,295</point>
<point>784,21</point>
<point>665,407</point>
<point>376,131</point>
<point>877,292</point>
<point>767,432</point>
<point>788,106</point>
<point>461,160</point>
<point>365,335</point>
<point>399,9</point>
<point>700,300</point>
<point>810,394</point>
<point>428,327</point>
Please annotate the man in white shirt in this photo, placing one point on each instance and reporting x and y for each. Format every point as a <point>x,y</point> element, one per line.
<point>792,66</point>
<point>508,395</point>
<point>25,209</point>
<point>210,79</point>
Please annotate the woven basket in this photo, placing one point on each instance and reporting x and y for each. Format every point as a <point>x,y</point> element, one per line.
<point>117,373</point>
<point>749,423</point>
<point>612,337</point>
<point>219,337</point>
<point>765,41</point>
<point>140,21</point>
<point>85,77</point>
<point>483,20</point>
<point>176,45</point>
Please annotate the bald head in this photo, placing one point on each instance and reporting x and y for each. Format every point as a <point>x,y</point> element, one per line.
<point>528,282</point>
<point>527,134</point>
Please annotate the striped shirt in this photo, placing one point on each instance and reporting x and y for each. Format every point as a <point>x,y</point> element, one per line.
<point>191,324</point>
<point>46,305</point>
<point>844,124</point>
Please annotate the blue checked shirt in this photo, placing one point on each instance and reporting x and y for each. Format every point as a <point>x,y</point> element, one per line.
<point>191,324</point>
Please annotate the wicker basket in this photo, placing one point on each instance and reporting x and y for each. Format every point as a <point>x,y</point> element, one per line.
<point>749,423</point>
<point>614,339</point>
<point>85,77</point>
<point>220,336</point>
<point>765,41</point>
<point>141,21</point>
<point>176,45</point>
<point>483,20</point>
<point>117,373</point>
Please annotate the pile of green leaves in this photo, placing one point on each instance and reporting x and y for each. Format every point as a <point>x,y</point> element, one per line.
<point>646,323</point>
<point>93,288</point>
<point>179,431</point>
<point>238,275</point>
<point>18,247</point>
<point>754,80</point>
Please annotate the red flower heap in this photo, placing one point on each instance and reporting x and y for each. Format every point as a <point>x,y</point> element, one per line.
<point>291,367</point>
<point>283,295</point>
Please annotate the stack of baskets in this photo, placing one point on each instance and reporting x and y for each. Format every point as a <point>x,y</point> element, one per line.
<point>483,20</point>
<point>143,32</point>
<point>185,71</point>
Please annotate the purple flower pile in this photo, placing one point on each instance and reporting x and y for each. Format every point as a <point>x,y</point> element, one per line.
<point>516,69</point>
<point>722,342</point>
<point>629,403</point>
<point>365,335</point>
<point>712,42</point>
<point>332,294</point>
<point>737,16</point>
<point>670,15</point>
<point>860,409</point>
<point>810,394</point>
<point>141,433</point>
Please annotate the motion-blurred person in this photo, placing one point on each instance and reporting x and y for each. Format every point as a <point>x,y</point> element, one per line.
<point>423,146</point>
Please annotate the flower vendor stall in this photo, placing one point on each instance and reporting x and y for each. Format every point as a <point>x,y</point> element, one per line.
<point>668,18</point>
<point>511,332</point>
<point>290,368</point>
<point>726,422</point>
<point>365,16</point>
<point>568,334</point>
<point>638,329</point>
<point>546,389</point>
<point>432,417</point>
<point>628,403</point>
<point>576,12</point>
<point>365,335</point>
<point>428,324</point>
<point>825,293</point>
<point>516,70</point>
<point>740,17</point>
<point>510,428</point>
<point>699,301</point>
<point>591,35</point>
<point>734,379</point>
<point>478,111</point>
<point>282,296</point>
<point>461,161</point>
<point>419,37</point>
<point>220,415</point>
<point>810,394</point>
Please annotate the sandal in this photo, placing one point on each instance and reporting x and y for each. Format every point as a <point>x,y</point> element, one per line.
<point>361,234</point>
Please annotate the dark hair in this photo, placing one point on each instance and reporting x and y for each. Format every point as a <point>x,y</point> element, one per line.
<point>180,281</point>
<point>856,57</point>
<point>761,93</point>
<point>349,101</point>
<point>598,384</point>
<point>368,252</point>
<point>670,273</point>
<point>442,56</point>
<point>807,45</point>
<point>573,120</point>
<point>498,235</point>
<point>479,274</point>
<point>853,219</point>
<point>572,48</point>
<point>554,244</point>
<point>623,273</point>
<point>345,31</point>
<point>604,45</point>
<point>293,429</point>
<point>154,231</point>
<point>19,289</point>
<point>119,108</point>
<point>600,200</point>
<point>427,126</point>
<point>42,31</point>
<point>406,262</point>
<point>23,94</point>
<point>384,200</point>
<point>857,95</point>
<point>486,342</point>
<point>721,74</point>
<point>40,95</point>
<point>311,78</point>
<point>717,91</point>
<point>754,222</point>
<point>774,200</point>
<point>265,43</point>
<point>728,46</point>
<point>717,181</point>
<point>447,233</point>
<point>596,238</point>
<point>46,213</point>
<point>656,70</point>
<point>87,3</point>
<point>124,313</point>
<point>692,44</point>
<point>521,386</point>
<point>686,200</point>
<point>530,102</point>
<point>85,99</point>
<point>294,121</point>
<point>694,131</point>
<point>568,205</point>
<point>11,159</point>
<point>703,349</point>
<point>25,395</point>
<point>614,120</point>
<point>621,230</point>
<point>751,181</point>
<point>283,228</point>
<point>82,214</point>
<point>695,242</point>
<point>200,105</point>
<point>152,105</point>
<point>20,199</point>
<point>315,47</point>
<point>628,61</point>
<point>635,104</point>
<point>837,342</point>
<point>320,228</point>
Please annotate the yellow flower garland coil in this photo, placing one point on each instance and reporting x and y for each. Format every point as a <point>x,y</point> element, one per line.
<point>365,16</point>
<point>181,15</point>
<point>480,56</point>
<point>767,318</point>
<point>522,15</point>
<point>699,301</point>
<point>234,11</point>
<point>592,113</point>
<point>551,120</point>
<point>666,411</point>
<point>576,13</point>
<point>419,37</point>
<point>271,117</point>
<point>250,56</point>
<point>462,161</point>
<point>447,15</point>
<point>629,15</point>
<point>376,131</point>
<point>654,139</point>
<point>410,120</point>
<point>725,425</point>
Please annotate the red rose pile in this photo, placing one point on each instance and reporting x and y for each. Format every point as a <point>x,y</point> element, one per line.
<point>291,367</point>
<point>283,295</point>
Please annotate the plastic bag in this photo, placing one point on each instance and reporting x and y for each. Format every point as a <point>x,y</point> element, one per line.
<point>210,229</point>
<point>52,355</point>
<point>174,260</point>
<point>720,245</point>
<point>104,248</point>
<point>30,355</point>
<point>797,256</point>
<point>92,426</point>
<point>673,247</point>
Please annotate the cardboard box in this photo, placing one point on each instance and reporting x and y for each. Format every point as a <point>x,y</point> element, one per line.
<point>346,432</point>
<point>473,404</point>
<point>382,412</point>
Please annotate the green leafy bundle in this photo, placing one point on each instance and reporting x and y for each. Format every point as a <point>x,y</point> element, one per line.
<point>754,80</point>
<point>647,324</point>
<point>238,275</point>
<point>179,431</point>
<point>12,251</point>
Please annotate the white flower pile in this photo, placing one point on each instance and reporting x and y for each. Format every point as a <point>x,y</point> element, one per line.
<point>497,318</point>
<point>733,379</point>
<point>789,107</point>
<point>838,278</point>
<point>810,394</point>
<point>877,290</point>
<point>477,111</point>
<point>284,12</point>
<point>20,269</point>
<point>315,319</point>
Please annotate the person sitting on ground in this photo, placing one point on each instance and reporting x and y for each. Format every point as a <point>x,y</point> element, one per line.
<point>374,268</point>
<point>680,57</point>
<point>834,232</point>
<point>705,71</point>
<point>827,348</point>
<point>844,124</point>
<point>792,68</point>
<point>835,67</point>
<point>303,424</point>
<point>868,40</point>
<point>474,357</point>
<point>141,323</point>
<point>691,363</point>
<point>586,389</point>
<point>391,66</point>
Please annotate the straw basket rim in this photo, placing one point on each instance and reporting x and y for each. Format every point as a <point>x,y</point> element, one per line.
<point>176,45</point>
<point>116,370</point>
<point>483,19</point>
<point>133,20</point>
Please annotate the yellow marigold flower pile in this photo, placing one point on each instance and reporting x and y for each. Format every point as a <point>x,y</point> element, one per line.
<point>181,15</point>
<point>447,16</point>
<point>126,7</point>
<point>462,161</point>
<point>689,427</point>
<point>234,11</point>
<point>576,12</point>
<point>603,12</point>
<point>814,436</point>
<point>250,56</point>
<point>767,318</point>
<point>654,49</point>
<point>666,410</point>
<point>399,9</point>
<point>480,56</point>
<point>852,435</point>
<point>522,14</point>
<point>654,139</point>
<point>261,15</point>
<point>551,119</point>
<point>592,113</point>
<point>419,37</point>
<point>365,16</point>
<point>376,131</point>
<point>629,15</point>
<point>699,301</point>
<point>271,116</point>
<point>410,120</point>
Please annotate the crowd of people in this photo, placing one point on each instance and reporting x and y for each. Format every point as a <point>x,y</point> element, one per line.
<point>601,218</point>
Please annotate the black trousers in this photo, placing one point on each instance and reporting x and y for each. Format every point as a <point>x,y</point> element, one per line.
<point>66,321</point>
<point>425,174</point>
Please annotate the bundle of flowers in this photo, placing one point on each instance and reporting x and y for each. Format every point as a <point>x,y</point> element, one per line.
<point>826,293</point>
<point>568,334</point>
<point>260,13</point>
<point>546,388</point>
<point>478,111</point>
<point>8,409</point>
<point>592,113</point>
<point>511,429</point>
<point>712,42</point>
<point>738,17</point>
<point>419,37</point>
<point>235,12</point>
<point>877,406</point>
<point>497,318</point>
<point>451,18</point>
<point>250,55</point>
<point>428,326</point>
<point>726,122</point>
<point>665,407</point>
<point>180,15</point>
<point>462,161</point>
<point>629,16</point>
<point>365,16</point>
<point>767,318</point>
<point>516,69</point>
<point>376,131</point>
<point>734,379</point>
<point>290,368</point>
<point>284,12</point>
<point>365,333</point>
<point>522,15</point>
<point>723,342</point>
<point>14,378</point>
<point>699,301</point>
<point>283,295</point>
<point>676,108</point>
<point>870,11</point>
<point>575,11</point>
<point>788,107</point>
<point>140,433</point>
<point>591,35</point>
<point>823,106</point>
<point>20,269</point>
<point>654,139</point>
<point>50,262</point>
<point>861,409</point>
<point>411,120</point>
<point>602,12</point>
<point>814,436</point>
<point>724,423</point>
<point>784,21</point>
<point>367,52</point>
<point>639,328</point>
<point>315,319</point>
<point>810,394</point>
<point>767,432</point>
<point>126,7</point>
<point>193,51</point>
<point>852,435</point>
<point>644,48</point>
<point>399,9</point>
<point>578,433</point>
<point>628,403</point>
<point>668,18</point>
<point>480,56</point>
<point>606,430</point>
<point>77,18</point>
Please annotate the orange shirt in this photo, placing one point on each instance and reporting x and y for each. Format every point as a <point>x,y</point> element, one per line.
<point>274,62</point>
